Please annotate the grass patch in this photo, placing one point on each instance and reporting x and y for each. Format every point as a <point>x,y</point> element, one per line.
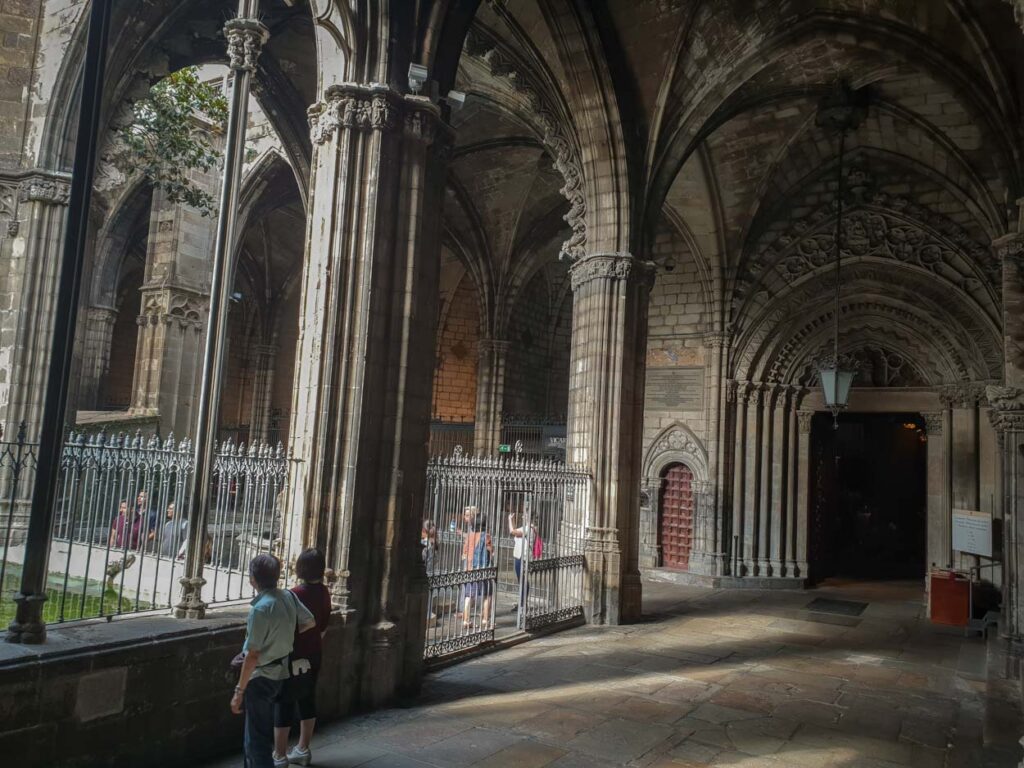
<point>85,598</point>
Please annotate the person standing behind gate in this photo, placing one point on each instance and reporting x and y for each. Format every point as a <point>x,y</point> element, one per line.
<point>477,549</point>
<point>127,528</point>
<point>300,688</point>
<point>173,534</point>
<point>269,637</point>
<point>531,540</point>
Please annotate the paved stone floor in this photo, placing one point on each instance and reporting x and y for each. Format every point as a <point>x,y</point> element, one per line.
<point>710,678</point>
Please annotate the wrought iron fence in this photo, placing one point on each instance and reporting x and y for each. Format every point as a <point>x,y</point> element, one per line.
<point>501,537</point>
<point>120,530</point>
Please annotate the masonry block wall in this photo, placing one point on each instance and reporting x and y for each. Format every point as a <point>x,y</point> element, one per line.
<point>19,25</point>
<point>455,374</point>
<point>539,334</point>
<point>676,429</point>
<point>146,699</point>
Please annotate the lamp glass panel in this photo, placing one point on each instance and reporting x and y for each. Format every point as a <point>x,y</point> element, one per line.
<point>828,385</point>
<point>844,380</point>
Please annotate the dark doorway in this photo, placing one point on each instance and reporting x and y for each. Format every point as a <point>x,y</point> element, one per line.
<point>675,527</point>
<point>868,507</point>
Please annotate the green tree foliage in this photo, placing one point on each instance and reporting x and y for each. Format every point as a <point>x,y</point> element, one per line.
<point>169,136</point>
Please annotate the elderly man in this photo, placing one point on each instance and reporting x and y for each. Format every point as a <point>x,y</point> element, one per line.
<point>270,633</point>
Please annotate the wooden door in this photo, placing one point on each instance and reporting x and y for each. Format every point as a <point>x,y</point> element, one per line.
<point>675,530</point>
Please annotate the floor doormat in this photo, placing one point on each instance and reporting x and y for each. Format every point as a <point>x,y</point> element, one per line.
<point>840,607</point>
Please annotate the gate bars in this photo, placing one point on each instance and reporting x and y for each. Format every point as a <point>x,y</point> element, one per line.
<point>118,543</point>
<point>481,574</point>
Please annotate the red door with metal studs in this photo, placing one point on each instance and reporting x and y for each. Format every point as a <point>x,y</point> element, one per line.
<point>675,531</point>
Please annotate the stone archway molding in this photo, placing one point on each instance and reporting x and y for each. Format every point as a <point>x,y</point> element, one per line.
<point>675,444</point>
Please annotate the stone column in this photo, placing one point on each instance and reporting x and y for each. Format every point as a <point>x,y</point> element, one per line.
<point>99,331</point>
<point>939,521</point>
<point>775,525</point>
<point>650,513</point>
<point>606,386</point>
<point>792,483</point>
<point>264,368</point>
<point>28,286</point>
<point>717,463</point>
<point>737,548</point>
<point>1007,416</point>
<point>168,357</point>
<point>174,305</point>
<point>366,355</point>
<point>754,479</point>
<point>490,395</point>
<point>802,495</point>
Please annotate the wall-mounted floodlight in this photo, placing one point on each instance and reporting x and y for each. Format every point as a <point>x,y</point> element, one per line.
<point>417,77</point>
<point>456,100</point>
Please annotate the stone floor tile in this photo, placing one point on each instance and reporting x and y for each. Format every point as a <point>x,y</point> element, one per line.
<point>525,754</point>
<point>619,740</point>
<point>561,724</point>
<point>467,747</point>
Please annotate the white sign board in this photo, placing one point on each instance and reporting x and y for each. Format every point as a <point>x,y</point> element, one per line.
<point>972,532</point>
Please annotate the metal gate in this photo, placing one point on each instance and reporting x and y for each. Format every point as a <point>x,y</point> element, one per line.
<point>676,528</point>
<point>503,548</point>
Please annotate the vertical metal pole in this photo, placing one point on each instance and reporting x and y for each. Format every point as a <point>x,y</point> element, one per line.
<point>28,626</point>
<point>245,38</point>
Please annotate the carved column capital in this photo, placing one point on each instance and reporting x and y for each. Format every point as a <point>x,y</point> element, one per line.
<point>246,38</point>
<point>486,347</point>
<point>374,107</point>
<point>610,266</point>
<point>961,395</point>
<point>101,314</point>
<point>44,189</point>
<point>804,420</point>
<point>716,340</point>
<point>1007,408</point>
<point>731,386</point>
<point>744,391</point>
<point>933,422</point>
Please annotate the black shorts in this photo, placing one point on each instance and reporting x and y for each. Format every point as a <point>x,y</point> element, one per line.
<point>298,697</point>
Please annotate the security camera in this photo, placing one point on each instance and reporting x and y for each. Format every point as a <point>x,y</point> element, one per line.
<point>456,100</point>
<point>417,77</point>
<point>670,265</point>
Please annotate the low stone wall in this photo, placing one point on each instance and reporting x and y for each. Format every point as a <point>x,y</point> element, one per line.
<point>148,690</point>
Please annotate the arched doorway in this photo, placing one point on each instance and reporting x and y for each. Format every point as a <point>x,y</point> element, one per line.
<point>675,517</point>
<point>868,516</point>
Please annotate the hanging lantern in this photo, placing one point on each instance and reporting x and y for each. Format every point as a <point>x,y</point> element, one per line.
<point>836,380</point>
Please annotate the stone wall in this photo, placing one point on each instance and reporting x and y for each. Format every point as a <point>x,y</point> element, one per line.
<point>19,21</point>
<point>455,375</point>
<point>539,335</point>
<point>150,691</point>
<point>676,352</point>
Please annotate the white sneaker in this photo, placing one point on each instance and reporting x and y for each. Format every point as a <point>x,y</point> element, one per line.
<point>298,756</point>
<point>280,762</point>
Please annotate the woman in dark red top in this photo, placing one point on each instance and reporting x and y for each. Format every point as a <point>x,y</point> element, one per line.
<point>300,689</point>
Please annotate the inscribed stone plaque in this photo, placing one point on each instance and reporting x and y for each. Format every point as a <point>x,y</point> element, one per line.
<point>675,389</point>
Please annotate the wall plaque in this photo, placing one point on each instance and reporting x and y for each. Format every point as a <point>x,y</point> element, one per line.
<point>972,532</point>
<point>675,389</point>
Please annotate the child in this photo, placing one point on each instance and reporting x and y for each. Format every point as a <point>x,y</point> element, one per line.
<point>300,691</point>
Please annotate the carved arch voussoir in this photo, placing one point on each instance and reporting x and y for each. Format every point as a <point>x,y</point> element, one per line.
<point>676,443</point>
